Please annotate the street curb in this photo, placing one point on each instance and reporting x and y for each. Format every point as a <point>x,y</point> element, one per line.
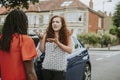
<point>112,48</point>
<point>103,50</point>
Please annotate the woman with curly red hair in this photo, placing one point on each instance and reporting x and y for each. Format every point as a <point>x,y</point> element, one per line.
<point>56,44</point>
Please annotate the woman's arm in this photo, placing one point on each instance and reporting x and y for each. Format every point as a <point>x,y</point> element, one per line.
<point>30,71</point>
<point>67,48</point>
<point>42,44</point>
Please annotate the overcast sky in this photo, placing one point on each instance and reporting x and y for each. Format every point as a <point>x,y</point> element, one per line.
<point>98,5</point>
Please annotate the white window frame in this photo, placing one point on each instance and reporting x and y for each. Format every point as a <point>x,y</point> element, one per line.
<point>45,19</point>
<point>74,17</point>
<point>99,22</point>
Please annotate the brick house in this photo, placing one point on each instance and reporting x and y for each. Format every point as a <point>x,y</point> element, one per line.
<point>108,22</point>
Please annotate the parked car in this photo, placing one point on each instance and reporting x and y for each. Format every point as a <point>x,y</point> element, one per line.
<point>79,66</point>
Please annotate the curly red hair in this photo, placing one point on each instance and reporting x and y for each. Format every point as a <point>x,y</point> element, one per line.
<point>63,33</point>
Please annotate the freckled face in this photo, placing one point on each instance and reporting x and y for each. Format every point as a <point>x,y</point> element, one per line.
<point>56,24</point>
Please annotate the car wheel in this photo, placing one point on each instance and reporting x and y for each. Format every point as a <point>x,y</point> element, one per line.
<point>87,72</point>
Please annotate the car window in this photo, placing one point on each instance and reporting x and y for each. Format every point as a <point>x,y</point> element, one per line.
<point>77,48</point>
<point>76,44</point>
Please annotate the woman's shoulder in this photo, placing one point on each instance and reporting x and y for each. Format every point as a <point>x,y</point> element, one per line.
<point>25,37</point>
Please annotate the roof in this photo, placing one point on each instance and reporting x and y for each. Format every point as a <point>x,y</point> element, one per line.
<point>48,5</point>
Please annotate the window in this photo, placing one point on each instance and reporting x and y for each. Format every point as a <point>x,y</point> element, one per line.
<point>99,23</point>
<point>80,18</point>
<point>31,19</point>
<point>76,44</point>
<point>45,19</point>
<point>37,19</point>
<point>74,17</point>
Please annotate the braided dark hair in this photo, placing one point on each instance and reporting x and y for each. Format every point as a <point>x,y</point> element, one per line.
<point>15,22</point>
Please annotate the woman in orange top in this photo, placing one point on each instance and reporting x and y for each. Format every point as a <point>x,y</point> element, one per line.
<point>17,49</point>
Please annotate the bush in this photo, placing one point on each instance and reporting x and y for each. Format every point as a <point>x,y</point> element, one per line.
<point>113,38</point>
<point>109,39</point>
<point>93,39</point>
<point>83,38</point>
<point>106,39</point>
<point>113,31</point>
<point>89,38</point>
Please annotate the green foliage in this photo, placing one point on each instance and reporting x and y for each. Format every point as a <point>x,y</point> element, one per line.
<point>109,39</point>
<point>113,31</point>
<point>95,39</point>
<point>106,39</point>
<point>116,16</point>
<point>116,21</point>
<point>83,38</point>
<point>17,3</point>
<point>89,38</point>
<point>114,39</point>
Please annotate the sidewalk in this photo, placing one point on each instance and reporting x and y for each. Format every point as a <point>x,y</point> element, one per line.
<point>112,48</point>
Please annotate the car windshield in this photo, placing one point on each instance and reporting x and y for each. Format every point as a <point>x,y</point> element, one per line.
<point>77,47</point>
<point>76,44</point>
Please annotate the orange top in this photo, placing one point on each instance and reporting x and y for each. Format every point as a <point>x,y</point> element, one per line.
<point>22,48</point>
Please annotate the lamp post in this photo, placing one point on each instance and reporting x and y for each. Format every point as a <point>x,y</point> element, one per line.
<point>104,3</point>
<point>102,42</point>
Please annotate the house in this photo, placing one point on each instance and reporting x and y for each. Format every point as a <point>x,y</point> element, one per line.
<point>108,22</point>
<point>79,17</point>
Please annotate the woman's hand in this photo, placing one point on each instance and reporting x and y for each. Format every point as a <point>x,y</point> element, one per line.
<point>39,35</point>
<point>55,40</point>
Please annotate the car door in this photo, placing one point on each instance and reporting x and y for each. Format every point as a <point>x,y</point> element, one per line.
<point>76,63</point>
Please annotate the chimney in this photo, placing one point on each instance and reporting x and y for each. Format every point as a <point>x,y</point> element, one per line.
<point>105,13</point>
<point>91,4</point>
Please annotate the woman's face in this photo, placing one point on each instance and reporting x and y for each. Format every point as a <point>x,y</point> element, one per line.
<point>56,24</point>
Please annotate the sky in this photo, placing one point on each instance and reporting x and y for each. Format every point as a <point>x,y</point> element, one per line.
<point>98,5</point>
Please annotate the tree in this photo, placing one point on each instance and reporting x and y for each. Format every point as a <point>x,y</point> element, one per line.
<point>17,3</point>
<point>116,16</point>
<point>116,20</point>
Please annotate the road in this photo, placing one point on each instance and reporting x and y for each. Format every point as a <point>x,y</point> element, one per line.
<point>105,65</point>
